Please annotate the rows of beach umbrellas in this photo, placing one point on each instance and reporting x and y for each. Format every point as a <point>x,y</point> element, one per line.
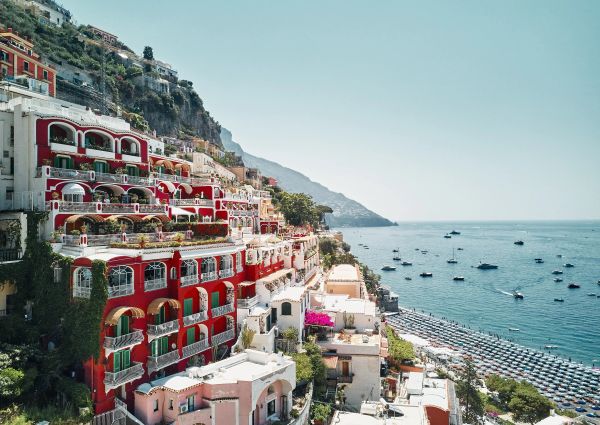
<point>569,384</point>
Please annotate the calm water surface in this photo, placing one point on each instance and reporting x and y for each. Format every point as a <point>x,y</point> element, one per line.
<point>484,301</point>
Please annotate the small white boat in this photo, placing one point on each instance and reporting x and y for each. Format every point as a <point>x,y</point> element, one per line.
<point>406,263</point>
<point>557,272</point>
<point>388,268</point>
<point>558,279</point>
<point>514,329</point>
<point>459,278</point>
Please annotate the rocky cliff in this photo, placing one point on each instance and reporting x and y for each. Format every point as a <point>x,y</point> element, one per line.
<point>346,212</point>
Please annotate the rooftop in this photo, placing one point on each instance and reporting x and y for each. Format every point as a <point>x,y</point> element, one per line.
<point>293,293</point>
<point>344,272</point>
<point>345,303</point>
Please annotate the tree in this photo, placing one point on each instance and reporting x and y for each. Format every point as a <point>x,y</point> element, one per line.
<point>399,350</point>
<point>247,337</point>
<point>304,370</point>
<point>321,211</point>
<point>469,396</point>
<point>505,388</point>
<point>328,246</point>
<point>299,209</point>
<point>528,405</point>
<point>148,53</point>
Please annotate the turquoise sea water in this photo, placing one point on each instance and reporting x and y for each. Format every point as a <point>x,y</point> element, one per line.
<point>484,301</point>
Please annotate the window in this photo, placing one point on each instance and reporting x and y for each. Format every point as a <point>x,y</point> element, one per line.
<point>45,73</point>
<point>12,135</point>
<point>156,405</point>
<point>191,335</point>
<point>120,281</point>
<point>72,197</point>
<point>238,261</point>
<point>191,401</point>
<point>26,66</point>
<point>9,193</point>
<point>121,360</point>
<point>209,265</point>
<point>155,276</point>
<point>6,154</point>
<point>122,326</point>
<point>271,408</point>
<point>63,162</point>
<point>226,262</point>
<point>159,346</point>
<point>171,404</point>
<point>214,300</point>
<point>286,309</point>
<point>4,56</point>
<point>100,167</point>
<point>133,170</point>
<point>189,268</point>
<point>188,306</point>
<point>83,283</point>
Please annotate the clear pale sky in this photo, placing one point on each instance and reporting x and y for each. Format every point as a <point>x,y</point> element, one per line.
<point>442,110</point>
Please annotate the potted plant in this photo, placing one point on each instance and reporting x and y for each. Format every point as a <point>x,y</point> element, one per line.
<point>320,413</point>
<point>55,195</point>
<point>75,232</point>
<point>142,241</point>
<point>84,229</point>
<point>179,237</point>
<point>47,162</point>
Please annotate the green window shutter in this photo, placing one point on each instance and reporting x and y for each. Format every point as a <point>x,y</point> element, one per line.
<point>117,361</point>
<point>57,162</point>
<point>70,164</point>
<point>214,300</point>
<point>191,336</point>
<point>126,359</point>
<point>160,317</point>
<point>154,348</point>
<point>164,345</point>
<point>188,304</point>
<point>123,326</point>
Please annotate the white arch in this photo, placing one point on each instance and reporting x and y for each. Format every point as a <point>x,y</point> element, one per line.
<point>80,183</point>
<point>118,190</point>
<point>133,142</point>
<point>67,127</point>
<point>187,187</point>
<point>111,139</point>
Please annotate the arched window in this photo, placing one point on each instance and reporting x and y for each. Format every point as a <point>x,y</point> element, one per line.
<point>209,265</point>
<point>226,263</point>
<point>120,281</point>
<point>270,390</point>
<point>286,309</point>
<point>189,268</point>
<point>82,287</point>
<point>155,276</point>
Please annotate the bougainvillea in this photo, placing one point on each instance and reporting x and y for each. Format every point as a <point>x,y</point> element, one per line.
<point>314,318</point>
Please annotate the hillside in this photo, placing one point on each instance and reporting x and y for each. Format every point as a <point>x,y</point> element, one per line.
<point>346,212</point>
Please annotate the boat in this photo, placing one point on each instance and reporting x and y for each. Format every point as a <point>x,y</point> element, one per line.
<point>539,260</point>
<point>459,278</point>
<point>424,251</point>
<point>558,255</point>
<point>519,243</point>
<point>568,265</point>
<point>557,272</point>
<point>559,300</point>
<point>406,263</point>
<point>447,236</point>
<point>550,347</point>
<point>454,232</point>
<point>514,329</point>
<point>452,260</point>
<point>417,249</point>
<point>396,258</point>
<point>426,274</point>
<point>388,268</point>
<point>487,266</point>
<point>517,295</point>
<point>558,279</point>
<point>459,249</point>
<point>394,250</point>
<point>366,247</point>
<point>360,244</point>
<point>573,286</point>
<point>408,278</point>
<point>591,294</point>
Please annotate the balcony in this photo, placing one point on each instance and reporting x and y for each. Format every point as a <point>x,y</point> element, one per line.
<point>114,380</point>
<point>119,208</point>
<point>167,177</point>
<point>85,207</point>
<point>10,254</point>
<point>153,284</point>
<point>195,348</point>
<point>226,273</point>
<point>345,379</point>
<point>208,276</point>
<point>140,181</point>
<point>223,337</point>
<point>222,309</point>
<point>156,331</point>
<point>247,302</point>
<point>192,319</point>
<point>120,290</point>
<point>124,341</point>
<point>65,173</point>
<point>188,280</point>
<point>160,362</point>
<point>152,209</point>
<point>110,178</point>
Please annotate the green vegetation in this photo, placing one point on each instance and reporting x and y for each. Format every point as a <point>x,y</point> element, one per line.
<point>304,370</point>
<point>469,395</point>
<point>313,351</point>
<point>321,412</point>
<point>399,350</point>
<point>521,398</point>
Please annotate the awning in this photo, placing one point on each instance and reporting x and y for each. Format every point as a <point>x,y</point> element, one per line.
<point>165,162</point>
<point>73,189</point>
<point>277,275</point>
<point>330,362</point>
<point>161,217</point>
<point>187,187</point>
<point>94,217</point>
<point>113,317</point>
<point>247,283</point>
<point>180,211</point>
<point>170,186</point>
<point>155,305</point>
<point>133,218</point>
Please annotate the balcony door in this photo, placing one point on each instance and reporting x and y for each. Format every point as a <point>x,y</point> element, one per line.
<point>100,167</point>
<point>122,326</point>
<point>63,162</point>
<point>159,346</point>
<point>159,317</point>
<point>214,300</point>
<point>121,360</point>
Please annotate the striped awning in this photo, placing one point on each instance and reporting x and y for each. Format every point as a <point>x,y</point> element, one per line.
<point>113,317</point>
<point>161,217</point>
<point>134,218</point>
<point>94,217</point>
<point>155,305</point>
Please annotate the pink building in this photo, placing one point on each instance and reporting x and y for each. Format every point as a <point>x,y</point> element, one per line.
<point>250,388</point>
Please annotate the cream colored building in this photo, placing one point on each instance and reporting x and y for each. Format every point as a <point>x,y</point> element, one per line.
<point>346,279</point>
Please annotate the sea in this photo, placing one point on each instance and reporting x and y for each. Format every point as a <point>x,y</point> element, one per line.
<point>484,300</point>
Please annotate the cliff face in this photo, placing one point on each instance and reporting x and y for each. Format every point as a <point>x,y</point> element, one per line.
<point>346,212</point>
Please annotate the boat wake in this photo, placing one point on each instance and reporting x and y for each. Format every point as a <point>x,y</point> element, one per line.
<point>504,292</point>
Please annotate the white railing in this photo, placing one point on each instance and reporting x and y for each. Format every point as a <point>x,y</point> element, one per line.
<point>188,280</point>
<point>226,273</point>
<point>110,178</point>
<point>149,208</point>
<point>65,173</point>
<point>120,290</point>
<point>141,181</point>
<point>195,348</point>
<point>223,337</point>
<point>153,284</point>
<point>208,276</point>
<point>192,319</point>
<point>247,302</point>
<point>113,380</point>
<point>119,208</point>
<point>119,342</point>
<point>159,362</point>
<point>155,331</point>
<point>168,177</point>
<point>79,292</point>
<point>77,207</point>
<point>222,309</point>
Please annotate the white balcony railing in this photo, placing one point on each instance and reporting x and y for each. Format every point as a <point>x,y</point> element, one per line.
<point>160,362</point>
<point>188,280</point>
<point>221,310</point>
<point>223,337</point>
<point>153,284</point>
<point>192,319</point>
<point>120,342</point>
<point>195,348</point>
<point>247,302</point>
<point>82,292</point>
<point>150,208</point>
<point>208,276</point>
<point>114,380</point>
<point>120,290</point>
<point>156,331</point>
<point>226,273</point>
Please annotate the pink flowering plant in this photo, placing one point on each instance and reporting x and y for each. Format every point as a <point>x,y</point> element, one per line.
<point>314,318</point>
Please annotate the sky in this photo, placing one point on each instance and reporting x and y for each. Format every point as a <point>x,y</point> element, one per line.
<point>446,110</point>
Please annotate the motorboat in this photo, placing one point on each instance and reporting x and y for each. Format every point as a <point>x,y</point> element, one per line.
<point>459,249</point>
<point>459,278</point>
<point>388,268</point>
<point>558,279</point>
<point>568,265</point>
<point>550,347</point>
<point>591,294</point>
<point>406,263</point>
<point>487,266</point>
<point>424,251</point>
<point>519,243</point>
<point>396,258</point>
<point>558,255</point>
<point>395,250</point>
<point>539,260</point>
<point>454,232</point>
<point>559,300</point>
<point>447,236</point>
<point>573,286</point>
<point>517,295</point>
<point>408,278</point>
<point>557,272</point>
<point>514,329</point>
<point>426,274</point>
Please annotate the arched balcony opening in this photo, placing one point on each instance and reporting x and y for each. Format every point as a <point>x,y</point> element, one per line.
<point>188,272</point>
<point>140,195</point>
<point>120,281</point>
<point>226,266</point>
<point>130,146</point>
<point>273,403</point>
<point>99,141</point>
<point>62,133</point>
<point>208,269</point>
<point>89,222</point>
<point>155,276</point>
<point>82,282</point>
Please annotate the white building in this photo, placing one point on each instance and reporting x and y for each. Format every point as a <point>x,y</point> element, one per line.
<point>48,11</point>
<point>204,164</point>
<point>363,312</point>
